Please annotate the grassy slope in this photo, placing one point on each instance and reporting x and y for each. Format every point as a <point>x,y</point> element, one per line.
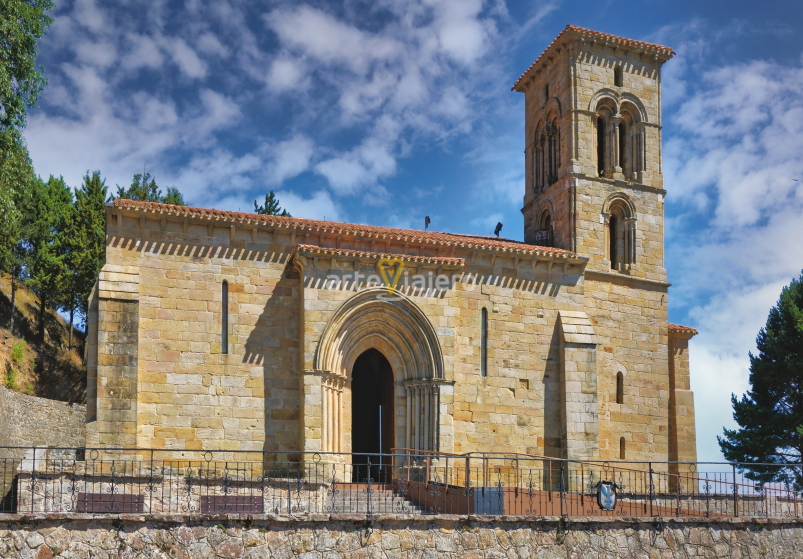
<point>48,370</point>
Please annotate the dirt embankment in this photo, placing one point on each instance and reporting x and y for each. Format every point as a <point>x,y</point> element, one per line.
<point>50,369</point>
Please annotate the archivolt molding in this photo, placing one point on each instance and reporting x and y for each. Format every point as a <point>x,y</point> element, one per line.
<point>621,199</point>
<point>394,325</point>
<point>604,93</point>
<point>545,205</point>
<point>628,98</point>
<point>553,103</point>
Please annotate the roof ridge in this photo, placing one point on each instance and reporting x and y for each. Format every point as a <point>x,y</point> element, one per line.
<point>410,235</point>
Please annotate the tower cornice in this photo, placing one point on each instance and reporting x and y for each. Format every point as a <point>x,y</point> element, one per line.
<point>574,33</point>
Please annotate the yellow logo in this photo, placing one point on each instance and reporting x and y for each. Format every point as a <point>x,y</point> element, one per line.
<point>390,280</point>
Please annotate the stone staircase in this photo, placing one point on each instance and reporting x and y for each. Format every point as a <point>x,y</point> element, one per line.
<point>383,501</point>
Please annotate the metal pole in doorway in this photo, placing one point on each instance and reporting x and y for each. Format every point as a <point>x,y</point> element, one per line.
<point>380,440</point>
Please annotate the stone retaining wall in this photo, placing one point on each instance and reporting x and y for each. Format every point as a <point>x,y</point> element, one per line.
<point>390,537</point>
<point>29,420</point>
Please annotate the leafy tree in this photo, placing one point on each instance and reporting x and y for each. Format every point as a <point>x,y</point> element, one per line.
<point>271,206</point>
<point>16,182</point>
<point>771,412</point>
<point>22,24</point>
<point>85,246</point>
<point>16,175</point>
<point>44,227</point>
<point>145,189</point>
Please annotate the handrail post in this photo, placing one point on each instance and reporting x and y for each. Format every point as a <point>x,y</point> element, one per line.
<point>561,486</point>
<point>468,472</point>
<point>652,489</point>
<point>735,493</point>
<point>446,475</point>
<point>33,473</point>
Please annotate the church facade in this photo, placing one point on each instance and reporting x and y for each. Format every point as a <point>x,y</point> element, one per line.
<point>216,330</point>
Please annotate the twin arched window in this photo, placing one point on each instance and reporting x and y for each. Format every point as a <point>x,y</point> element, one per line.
<point>546,153</point>
<point>620,141</point>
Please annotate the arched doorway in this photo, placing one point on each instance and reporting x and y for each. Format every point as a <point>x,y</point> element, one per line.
<point>372,407</point>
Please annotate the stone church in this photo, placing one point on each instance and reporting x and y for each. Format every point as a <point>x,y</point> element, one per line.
<point>218,330</point>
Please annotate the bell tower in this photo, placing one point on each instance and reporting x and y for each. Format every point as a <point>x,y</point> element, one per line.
<point>594,183</point>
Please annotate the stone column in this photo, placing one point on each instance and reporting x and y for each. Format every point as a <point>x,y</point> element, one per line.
<point>579,409</point>
<point>616,163</point>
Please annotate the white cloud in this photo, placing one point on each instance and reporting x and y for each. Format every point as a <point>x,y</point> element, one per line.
<point>208,43</point>
<point>415,74</point>
<point>327,39</point>
<point>735,213</point>
<point>185,58</point>
<point>97,54</point>
<point>143,53</point>
<point>285,74</point>
<point>319,206</point>
<point>290,158</point>
<point>364,166</point>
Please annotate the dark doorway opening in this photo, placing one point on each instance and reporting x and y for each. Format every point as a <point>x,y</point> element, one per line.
<point>372,387</point>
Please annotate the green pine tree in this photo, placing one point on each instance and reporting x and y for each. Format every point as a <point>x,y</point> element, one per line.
<point>145,189</point>
<point>44,227</point>
<point>86,245</point>
<point>173,197</point>
<point>271,206</point>
<point>770,413</point>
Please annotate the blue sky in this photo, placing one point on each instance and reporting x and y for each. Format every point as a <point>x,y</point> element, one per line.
<point>383,112</point>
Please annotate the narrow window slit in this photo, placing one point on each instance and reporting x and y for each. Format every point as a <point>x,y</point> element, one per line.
<point>484,350</point>
<point>224,330</point>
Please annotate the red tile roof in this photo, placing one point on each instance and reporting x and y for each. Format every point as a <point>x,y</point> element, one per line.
<point>582,32</point>
<point>679,328</point>
<point>368,254</point>
<point>452,240</point>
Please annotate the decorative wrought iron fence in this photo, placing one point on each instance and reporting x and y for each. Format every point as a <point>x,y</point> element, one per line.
<point>70,480</point>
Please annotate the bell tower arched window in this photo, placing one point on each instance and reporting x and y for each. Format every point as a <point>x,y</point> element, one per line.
<point>631,138</point>
<point>553,153</point>
<point>543,234</point>
<point>539,160</point>
<point>620,235</point>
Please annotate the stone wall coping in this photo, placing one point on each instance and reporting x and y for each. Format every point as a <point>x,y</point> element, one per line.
<point>304,228</point>
<point>190,519</point>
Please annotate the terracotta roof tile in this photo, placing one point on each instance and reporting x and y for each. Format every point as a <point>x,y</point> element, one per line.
<point>582,32</point>
<point>680,328</point>
<point>368,254</point>
<point>452,240</point>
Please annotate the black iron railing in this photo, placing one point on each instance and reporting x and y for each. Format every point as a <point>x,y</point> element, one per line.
<point>69,480</point>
